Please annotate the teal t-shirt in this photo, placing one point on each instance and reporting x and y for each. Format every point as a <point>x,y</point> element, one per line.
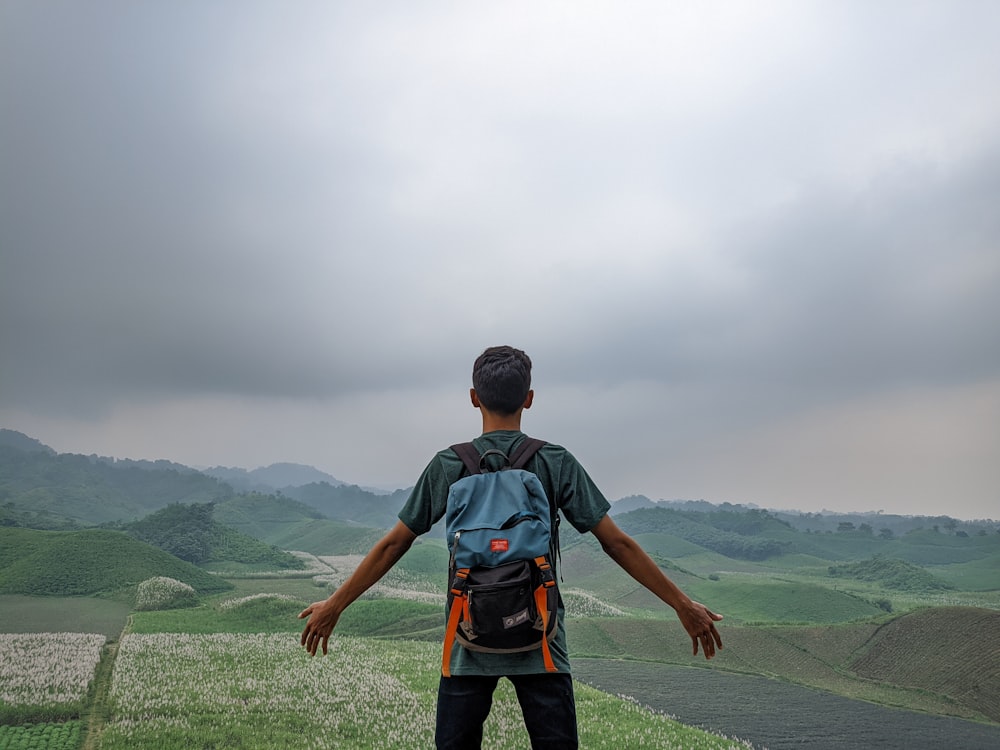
<point>565,481</point>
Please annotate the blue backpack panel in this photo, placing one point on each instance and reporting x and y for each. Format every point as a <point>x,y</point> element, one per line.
<point>502,534</point>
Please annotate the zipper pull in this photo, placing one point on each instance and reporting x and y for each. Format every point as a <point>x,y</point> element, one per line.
<point>454,546</point>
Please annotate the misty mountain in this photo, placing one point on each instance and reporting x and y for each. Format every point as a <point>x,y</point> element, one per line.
<point>351,503</point>
<point>271,478</point>
<point>874,522</point>
<point>42,489</point>
<point>20,441</point>
<point>45,490</point>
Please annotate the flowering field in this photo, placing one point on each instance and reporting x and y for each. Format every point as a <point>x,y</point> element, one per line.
<point>41,669</point>
<point>44,679</point>
<point>261,690</point>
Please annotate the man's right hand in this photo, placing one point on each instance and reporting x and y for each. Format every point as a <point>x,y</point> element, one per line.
<point>322,619</point>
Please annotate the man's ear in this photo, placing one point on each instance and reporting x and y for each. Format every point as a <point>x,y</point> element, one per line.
<point>474,396</point>
<point>528,400</point>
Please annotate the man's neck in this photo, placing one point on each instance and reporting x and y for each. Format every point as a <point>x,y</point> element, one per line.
<point>493,422</point>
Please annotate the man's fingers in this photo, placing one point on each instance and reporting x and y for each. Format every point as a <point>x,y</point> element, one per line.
<point>310,639</point>
<point>709,641</point>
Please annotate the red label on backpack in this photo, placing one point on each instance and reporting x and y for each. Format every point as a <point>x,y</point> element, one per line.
<point>498,545</point>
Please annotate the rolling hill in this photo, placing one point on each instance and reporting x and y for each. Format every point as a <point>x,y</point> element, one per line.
<point>91,561</point>
<point>42,490</point>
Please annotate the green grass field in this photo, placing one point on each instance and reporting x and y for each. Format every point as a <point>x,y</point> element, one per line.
<point>53,614</point>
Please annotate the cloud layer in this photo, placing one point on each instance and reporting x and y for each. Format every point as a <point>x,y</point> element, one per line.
<point>754,255</point>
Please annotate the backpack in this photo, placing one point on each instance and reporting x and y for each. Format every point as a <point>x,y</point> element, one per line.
<point>502,533</point>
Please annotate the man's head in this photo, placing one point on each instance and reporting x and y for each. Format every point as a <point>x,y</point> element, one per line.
<point>501,378</point>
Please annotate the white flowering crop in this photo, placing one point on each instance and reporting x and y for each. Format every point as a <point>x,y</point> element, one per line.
<point>178,691</point>
<point>164,593</point>
<point>229,604</point>
<point>584,604</point>
<point>39,669</point>
<point>396,584</point>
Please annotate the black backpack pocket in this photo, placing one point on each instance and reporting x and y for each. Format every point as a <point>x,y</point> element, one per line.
<point>502,612</point>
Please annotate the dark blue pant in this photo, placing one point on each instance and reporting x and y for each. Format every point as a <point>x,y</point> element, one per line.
<point>546,700</point>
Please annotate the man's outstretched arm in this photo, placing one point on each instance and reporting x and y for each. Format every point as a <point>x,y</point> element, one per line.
<point>323,615</point>
<point>697,619</point>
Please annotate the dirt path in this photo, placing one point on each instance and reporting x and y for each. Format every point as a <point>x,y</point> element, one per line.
<point>97,714</point>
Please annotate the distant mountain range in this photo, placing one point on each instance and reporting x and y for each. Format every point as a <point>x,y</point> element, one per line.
<point>270,478</point>
<point>43,489</point>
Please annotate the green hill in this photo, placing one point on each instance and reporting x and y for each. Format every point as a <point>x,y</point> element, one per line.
<point>41,490</point>
<point>747,599</point>
<point>294,525</point>
<point>262,516</point>
<point>891,573</point>
<point>351,503</point>
<point>77,563</point>
<point>191,533</point>
<point>736,535</point>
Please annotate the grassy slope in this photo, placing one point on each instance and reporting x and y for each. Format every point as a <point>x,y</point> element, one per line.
<point>80,563</point>
<point>293,525</point>
<point>959,651</point>
<point>978,575</point>
<point>818,657</point>
<point>742,598</point>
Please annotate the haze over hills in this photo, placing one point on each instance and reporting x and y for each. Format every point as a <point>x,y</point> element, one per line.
<point>271,478</point>
<point>333,497</point>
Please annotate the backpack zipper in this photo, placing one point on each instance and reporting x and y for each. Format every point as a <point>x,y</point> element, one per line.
<point>454,548</point>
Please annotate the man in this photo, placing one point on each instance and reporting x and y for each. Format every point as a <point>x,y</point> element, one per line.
<point>501,391</point>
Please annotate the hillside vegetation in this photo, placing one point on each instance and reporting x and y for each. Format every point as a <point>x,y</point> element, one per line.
<point>293,525</point>
<point>351,503</point>
<point>42,490</point>
<point>191,533</point>
<point>91,561</point>
<point>891,573</point>
<point>730,534</point>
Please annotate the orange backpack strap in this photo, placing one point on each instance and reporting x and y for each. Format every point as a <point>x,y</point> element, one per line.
<point>459,604</point>
<point>541,603</point>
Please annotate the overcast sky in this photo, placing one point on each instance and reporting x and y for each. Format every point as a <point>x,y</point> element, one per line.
<point>753,248</point>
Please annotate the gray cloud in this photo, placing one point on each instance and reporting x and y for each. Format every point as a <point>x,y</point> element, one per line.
<point>713,219</point>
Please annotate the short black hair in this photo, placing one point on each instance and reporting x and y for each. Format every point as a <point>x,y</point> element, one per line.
<point>502,379</point>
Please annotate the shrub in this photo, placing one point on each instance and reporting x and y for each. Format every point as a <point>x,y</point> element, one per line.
<point>164,593</point>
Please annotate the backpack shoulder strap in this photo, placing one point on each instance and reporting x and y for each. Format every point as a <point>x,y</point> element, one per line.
<point>518,459</point>
<point>469,455</point>
<point>523,453</point>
